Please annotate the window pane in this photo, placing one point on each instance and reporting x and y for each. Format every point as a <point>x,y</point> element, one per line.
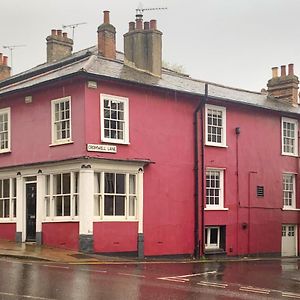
<point>66,183</point>
<point>109,182</point>
<point>6,208</point>
<point>57,184</point>
<point>214,235</point>
<point>67,206</point>
<point>131,184</point>
<point>131,212</point>
<point>120,206</point>
<point>58,206</point>
<point>6,188</point>
<point>76,205</point>
<point>97,205</point>
<point>120,183</point>
<point>108,205</point>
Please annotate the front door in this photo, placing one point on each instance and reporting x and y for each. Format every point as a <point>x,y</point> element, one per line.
<point>30,211</point>
<point>289,240</point>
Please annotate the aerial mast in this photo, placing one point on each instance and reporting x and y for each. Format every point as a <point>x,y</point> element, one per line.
<point>11,48</point>
<point>73,26</point>
<point>140,11</point>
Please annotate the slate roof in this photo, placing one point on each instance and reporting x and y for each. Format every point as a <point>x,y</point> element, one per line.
<point>88,61</point>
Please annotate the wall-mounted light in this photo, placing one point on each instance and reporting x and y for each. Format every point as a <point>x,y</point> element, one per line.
<point>28,99</point>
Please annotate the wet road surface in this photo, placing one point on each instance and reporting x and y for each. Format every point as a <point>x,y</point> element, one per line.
<point>276,279</point>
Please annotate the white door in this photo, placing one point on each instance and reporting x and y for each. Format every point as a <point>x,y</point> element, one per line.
<point>289,240</point>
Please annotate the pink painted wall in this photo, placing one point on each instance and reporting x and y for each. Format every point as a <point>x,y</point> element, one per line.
<point>115,237</point>
<point>61,235</point>
<point>161,129</point>
<point>8,231</point>
<point>259,163</point>
<point>31,125</point>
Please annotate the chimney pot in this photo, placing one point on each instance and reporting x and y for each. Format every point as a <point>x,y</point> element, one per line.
<point>139,24</point>
<point>65,34</point>
<point>106,17</point>
<point>4,62</point>
<point>291,69</point>
<point>53,32</point>
<point>153,24</point>
<point>146,25</point>
<point>59,32</point>
<point>283,71</point>
<point>131,26</point>
<point>275,72</point>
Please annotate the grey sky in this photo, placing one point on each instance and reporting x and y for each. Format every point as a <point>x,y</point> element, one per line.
<point>231,42</point>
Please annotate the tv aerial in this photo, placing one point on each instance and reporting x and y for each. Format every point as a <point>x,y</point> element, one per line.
<point>11,48</point>
<point>73,26</point>
<point>140,10</point>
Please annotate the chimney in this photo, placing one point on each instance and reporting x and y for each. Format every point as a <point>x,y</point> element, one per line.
<point>5,70</point>
<point>107,38</point>
<point>143,46</point>
<point>285,86</point>
<point>59,46</point>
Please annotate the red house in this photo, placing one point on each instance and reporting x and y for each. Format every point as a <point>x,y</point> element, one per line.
<point>108,152</point>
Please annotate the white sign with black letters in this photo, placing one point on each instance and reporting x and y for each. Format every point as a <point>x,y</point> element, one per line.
<point>101,148</point>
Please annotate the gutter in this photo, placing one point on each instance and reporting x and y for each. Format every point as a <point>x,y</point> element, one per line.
<point>197,248</point>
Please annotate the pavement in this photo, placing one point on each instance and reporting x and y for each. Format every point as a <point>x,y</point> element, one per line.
<point>34,252</point>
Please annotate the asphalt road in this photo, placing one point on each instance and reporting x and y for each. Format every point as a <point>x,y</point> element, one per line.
<point>277,279</point>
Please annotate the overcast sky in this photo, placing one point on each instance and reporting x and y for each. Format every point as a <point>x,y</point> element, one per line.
<point>231,42</point>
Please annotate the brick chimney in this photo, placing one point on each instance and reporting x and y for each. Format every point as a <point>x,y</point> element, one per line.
<point>107,38</point>
<point>143,46</point>
<point>285,86</point>
<point>5,70</point>
<point>59,46</point>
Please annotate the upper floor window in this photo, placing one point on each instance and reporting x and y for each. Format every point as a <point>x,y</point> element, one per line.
<point>214,189</point>
<point>215,125</point>
<point>288,188</point>
<point>8,196</point>
<point>289,136</point>
<point>114,119</point>
<point>61,120</point>
<point>4,130</point>
<point>62,198</point>
<point>115,195</point>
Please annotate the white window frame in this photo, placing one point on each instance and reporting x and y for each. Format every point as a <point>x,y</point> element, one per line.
<point>99,197</point>
<point>50,198</point>
<point>55,140</point>
<point>295,122</point>
<point>219,206</point>
<point>223,127</point>
<point>293,198</point>
<point>6,111</point>
<point>125,101</point>
<point>12,200</point>
<point>208,245</point>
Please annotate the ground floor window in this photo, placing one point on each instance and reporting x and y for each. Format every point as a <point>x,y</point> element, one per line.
<point>8,196</point>
<point>62,198</point>
<point>215,237</point>
<point>115,195</point>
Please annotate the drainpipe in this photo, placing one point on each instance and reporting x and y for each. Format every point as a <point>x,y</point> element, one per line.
<point>197,247</point>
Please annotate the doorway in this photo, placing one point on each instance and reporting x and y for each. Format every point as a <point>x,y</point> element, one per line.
<point>30,211</point>
<point>289,240</point>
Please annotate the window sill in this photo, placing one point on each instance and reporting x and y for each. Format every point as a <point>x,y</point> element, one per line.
<point>111,141</point>
<point>216,208</point>
<point>97,219</point>
<point>5,151</point>
<point>291,209</point>
<point>7,220</point>
<point>61,143</point>
<point>289,154</point>
<point>216,145</point>
<point>61,220</point>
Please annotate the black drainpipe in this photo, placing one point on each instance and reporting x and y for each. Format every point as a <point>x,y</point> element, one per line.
<point>196,175</point>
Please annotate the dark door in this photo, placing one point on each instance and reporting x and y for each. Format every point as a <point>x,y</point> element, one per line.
<point>30,211</point>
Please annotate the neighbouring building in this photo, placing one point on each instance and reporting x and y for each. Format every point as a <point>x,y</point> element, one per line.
<point>103,151</point>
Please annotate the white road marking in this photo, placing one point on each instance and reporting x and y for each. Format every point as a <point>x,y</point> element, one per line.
<point>25,296</point>
<point>252,289</point>
<point>290,295</point>
<point>55,267</point>
<point>133,275</point>
<point>213,284</point>
<point>183,278</point>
